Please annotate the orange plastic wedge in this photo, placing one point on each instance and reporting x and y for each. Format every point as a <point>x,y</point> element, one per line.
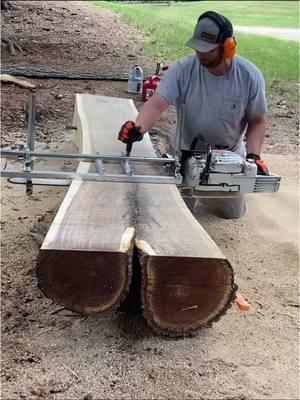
<point>242,304</point>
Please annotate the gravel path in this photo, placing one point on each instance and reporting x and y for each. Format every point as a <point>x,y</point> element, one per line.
<point>289,34</point>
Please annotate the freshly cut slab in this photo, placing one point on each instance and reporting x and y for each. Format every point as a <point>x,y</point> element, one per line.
<point>187,282</point>
<point>85,261</point>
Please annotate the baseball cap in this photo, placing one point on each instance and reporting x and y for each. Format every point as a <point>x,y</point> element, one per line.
<point>205,36</point>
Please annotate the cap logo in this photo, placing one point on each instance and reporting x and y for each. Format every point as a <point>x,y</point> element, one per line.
<point>208,37</point>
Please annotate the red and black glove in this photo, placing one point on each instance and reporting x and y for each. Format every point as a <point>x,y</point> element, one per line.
<point>130,133</point>
<point>262,168</point>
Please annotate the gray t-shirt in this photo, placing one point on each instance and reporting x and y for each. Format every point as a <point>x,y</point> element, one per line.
<point>216,108</point>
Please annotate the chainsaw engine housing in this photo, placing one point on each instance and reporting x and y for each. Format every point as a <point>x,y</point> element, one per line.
<point>225,171</point>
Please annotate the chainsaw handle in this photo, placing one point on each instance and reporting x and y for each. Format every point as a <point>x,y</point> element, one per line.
<point>205,172</point>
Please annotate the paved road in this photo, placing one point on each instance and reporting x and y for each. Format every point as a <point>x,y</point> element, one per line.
<point>292,34</point>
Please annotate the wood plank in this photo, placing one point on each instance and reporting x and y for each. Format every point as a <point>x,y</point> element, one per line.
<point>88,248</point>
<point>20,82</point>
<point>187,283</point>
<point>84,262</point>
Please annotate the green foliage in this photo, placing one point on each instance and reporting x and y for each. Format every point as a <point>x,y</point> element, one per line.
<point>168,28</point>
<point>283,14</point>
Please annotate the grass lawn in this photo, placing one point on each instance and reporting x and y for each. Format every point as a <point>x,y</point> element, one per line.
<point>168,28</point>
<point>284,14</point>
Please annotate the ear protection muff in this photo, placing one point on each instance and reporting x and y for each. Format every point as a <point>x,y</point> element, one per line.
<point>225,37</point>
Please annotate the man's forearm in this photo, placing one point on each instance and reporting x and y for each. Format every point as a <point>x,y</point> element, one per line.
<point>255,135</point>
<point>151,112</point>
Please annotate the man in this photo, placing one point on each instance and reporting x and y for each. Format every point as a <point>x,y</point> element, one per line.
<point>219,98</point>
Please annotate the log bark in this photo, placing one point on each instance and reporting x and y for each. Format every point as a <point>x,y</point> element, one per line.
<point>42,73</point>
<point>187,283</point>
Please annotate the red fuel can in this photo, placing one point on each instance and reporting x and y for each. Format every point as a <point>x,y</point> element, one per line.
<point>150,86</point>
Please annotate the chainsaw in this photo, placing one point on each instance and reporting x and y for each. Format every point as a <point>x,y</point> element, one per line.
<point>224,171</point>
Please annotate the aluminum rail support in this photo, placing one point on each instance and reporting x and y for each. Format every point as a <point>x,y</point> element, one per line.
<point>88,157</point>
<point>28,164</point>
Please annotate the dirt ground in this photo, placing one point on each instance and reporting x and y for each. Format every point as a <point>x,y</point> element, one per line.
<point>52,354</point>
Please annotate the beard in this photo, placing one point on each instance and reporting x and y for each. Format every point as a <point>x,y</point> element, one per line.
<point>212,63</point>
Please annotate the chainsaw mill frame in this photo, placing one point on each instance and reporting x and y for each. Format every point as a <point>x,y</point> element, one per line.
<point>30,177</point>
<point>209,184</point>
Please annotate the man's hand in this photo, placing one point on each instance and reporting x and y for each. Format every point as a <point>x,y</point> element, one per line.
<point>262,168</point>
<point>130,133</point>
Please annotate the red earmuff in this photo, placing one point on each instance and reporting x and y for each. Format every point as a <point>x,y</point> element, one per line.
<point>230,47</point>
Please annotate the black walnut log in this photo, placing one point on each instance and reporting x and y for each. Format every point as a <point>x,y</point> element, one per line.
<point>85,261</point>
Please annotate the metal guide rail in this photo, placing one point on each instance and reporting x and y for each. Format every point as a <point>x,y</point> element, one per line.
<point>100,161</point>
